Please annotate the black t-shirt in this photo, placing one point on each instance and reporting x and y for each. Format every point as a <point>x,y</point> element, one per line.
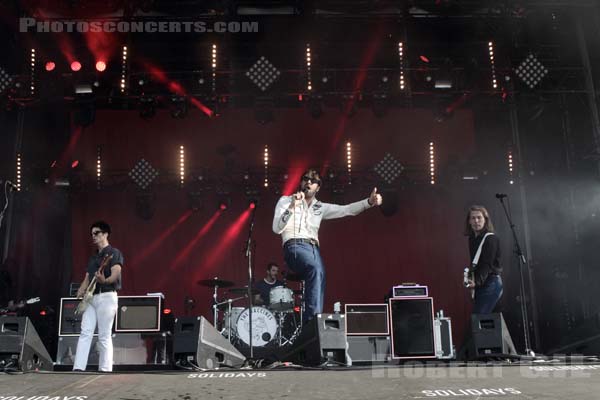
<point>265,288</point>
<point>489,260</point>
<point>96,260</point>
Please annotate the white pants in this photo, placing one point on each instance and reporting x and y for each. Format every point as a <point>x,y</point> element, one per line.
<point>102,310</point>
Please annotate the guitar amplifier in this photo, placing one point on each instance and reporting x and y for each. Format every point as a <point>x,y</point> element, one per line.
<point>367,320</point>
<point>69,324</point>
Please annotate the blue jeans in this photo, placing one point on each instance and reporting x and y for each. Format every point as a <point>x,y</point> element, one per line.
<point>487,296</point>
<point>305,260</point>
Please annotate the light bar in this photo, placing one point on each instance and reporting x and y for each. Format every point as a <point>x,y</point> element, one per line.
<point>266,161</point>
<point>32,73</point>
<point>18,174</point>
<point>123,83</point>
<point>401,60</point>
<point>349,160</point>
<point>431,163</point>
<point>214,67</point>
<point>181,165</point>
<point>99,167</point>
<point>510,168</point>
<point>308,68</point>
<point>492,65</point>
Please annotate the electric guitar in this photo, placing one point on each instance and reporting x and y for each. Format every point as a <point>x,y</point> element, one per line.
<point>17,306</point>
<point>469,275</point>
<point>89,291</point>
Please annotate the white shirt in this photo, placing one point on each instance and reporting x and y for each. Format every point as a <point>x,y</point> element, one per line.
<point>304,222</point>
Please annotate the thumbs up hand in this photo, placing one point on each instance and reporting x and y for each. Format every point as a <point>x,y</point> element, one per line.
<point>375,198</point>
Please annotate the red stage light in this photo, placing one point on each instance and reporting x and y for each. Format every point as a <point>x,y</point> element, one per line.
<point>167,311</point>
<point>297,309</point>
<point>100,66</point>
<point>252,205</point>
<point>43,313</point>
<point>75,66</point>
<point>50,66</point>
<point>223,206</point>
<point>424,59</point>
<point>74,164</point>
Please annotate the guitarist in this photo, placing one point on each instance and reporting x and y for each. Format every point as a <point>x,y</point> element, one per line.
<point>485,278</point>
<point>103,307</point>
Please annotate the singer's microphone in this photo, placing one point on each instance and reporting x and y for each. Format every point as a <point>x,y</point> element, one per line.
<point>501,195</point>
<point>306,190</point>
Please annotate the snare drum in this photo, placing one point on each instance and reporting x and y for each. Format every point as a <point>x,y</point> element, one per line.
<point>281,299</point>
<point>264,326</point>
<point>233,317</point>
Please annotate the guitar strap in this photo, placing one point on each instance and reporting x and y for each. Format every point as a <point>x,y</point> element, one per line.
<point>478,253</point>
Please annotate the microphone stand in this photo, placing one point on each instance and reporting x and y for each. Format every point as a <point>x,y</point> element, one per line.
<point>249,243</point>
<point>522,264</point>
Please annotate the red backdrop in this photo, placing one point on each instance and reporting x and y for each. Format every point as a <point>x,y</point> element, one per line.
<point>364,255</point>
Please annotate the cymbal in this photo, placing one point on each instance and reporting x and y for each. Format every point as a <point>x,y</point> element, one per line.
<point>294,277</point>
<point>242,290</point>
<point>215,282</point>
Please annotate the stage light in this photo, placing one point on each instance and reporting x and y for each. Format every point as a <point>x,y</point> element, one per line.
<point>401,61</point>
<point>492,65</point>
<point>424,59</point>
<point>124,55</point>
<point>252,205</point>
<point>167,311</point>
<point>222,206</point>
<point>181,165</point>
<point>179,107</point>
<point>18,173</point>
<point>147,107</point>
<point>349,160</point>
<point>75,66</point>
<point>32,73</point>
<point>309,86</point>
<point>50,66</point>
<point>74,164</point>
<point>100,66</point>
<point>510,167</point>
<point>431,163</point>
<point>266,164</point>
<point>43,313</point>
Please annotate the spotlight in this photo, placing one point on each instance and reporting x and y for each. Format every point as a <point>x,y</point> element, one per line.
<point>75,66</point>
<point>100,66</point>
<point>50,66</point>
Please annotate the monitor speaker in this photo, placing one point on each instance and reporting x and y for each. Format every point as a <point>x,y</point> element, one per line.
<point>490,336</point>
<point>412,327</point>
<point>197,342</point>
<point>21,347</point>
<point>322,341</point>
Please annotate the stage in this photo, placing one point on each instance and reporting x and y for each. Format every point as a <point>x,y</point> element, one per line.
<point>530,380</point>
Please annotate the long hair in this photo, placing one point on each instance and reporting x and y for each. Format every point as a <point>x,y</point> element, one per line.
<point>488,226</point>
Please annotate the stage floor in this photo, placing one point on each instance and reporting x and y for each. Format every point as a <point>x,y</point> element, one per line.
<point>525,381</point>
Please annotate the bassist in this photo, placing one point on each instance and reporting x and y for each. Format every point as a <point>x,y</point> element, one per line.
<point>103,305</point>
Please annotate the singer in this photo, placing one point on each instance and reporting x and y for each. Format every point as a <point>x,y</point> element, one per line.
<point>487,281</point>
<point>297,219</point>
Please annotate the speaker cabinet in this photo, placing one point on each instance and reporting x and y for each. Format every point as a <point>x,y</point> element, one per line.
<point>69,324</point>
<point>139,314</point>
<point>196,341</point>
<point>369,349</point>
<point>490,336</point>
<point>129,349</point>
<point>322,340</point>
<point>21,347</point>
<point>412,327</point>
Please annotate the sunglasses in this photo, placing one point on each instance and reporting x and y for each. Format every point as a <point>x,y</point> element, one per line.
<point>95,233</point>
<point>313,180</point>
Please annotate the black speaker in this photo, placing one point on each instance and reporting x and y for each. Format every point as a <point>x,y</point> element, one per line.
<point>490,336</point>
<point>69,324</point>
<point>322,340</point>
<point>196,341</point>
<point>412,327</point>
<point>369,349</point>
<point>21,347</point>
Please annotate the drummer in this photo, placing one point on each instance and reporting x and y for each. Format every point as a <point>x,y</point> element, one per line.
<point>265,285</point>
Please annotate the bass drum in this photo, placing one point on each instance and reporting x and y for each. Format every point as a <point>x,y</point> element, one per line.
<point>264,326</point>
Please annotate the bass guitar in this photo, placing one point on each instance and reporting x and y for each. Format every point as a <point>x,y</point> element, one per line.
<point>469,275</point>
<point>89,291</point>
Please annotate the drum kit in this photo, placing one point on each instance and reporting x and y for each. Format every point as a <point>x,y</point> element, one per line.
<point>278,324</point>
